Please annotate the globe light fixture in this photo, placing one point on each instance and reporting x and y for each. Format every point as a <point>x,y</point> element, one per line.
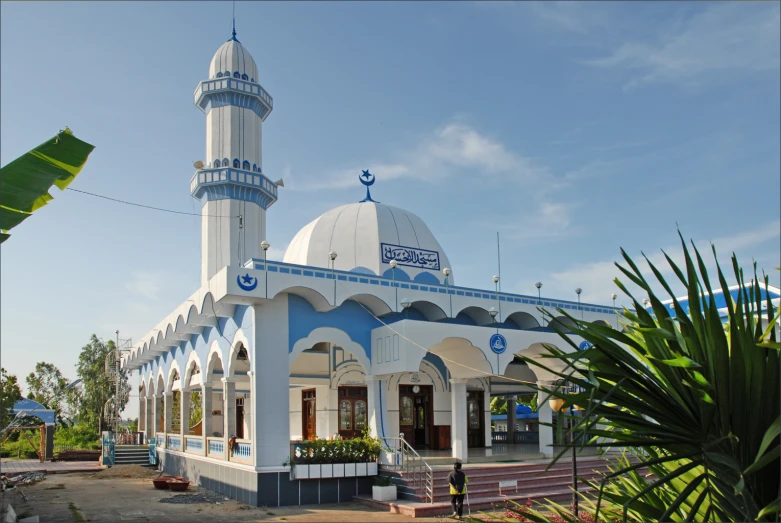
<point>405,303</point>
<point>393,264</point>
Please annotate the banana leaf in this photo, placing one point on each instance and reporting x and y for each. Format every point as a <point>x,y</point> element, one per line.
<point>25,182</point>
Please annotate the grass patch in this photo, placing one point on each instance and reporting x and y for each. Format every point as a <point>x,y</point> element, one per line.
<point>75,512</point>
<point>58,486</point>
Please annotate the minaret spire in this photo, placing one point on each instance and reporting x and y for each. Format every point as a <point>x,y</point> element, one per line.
<point>234,22</point>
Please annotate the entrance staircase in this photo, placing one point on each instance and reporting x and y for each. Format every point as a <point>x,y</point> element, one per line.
<point>533,482</point>
<point>131,455</point>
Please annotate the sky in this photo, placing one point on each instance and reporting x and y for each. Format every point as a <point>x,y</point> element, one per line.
<point>572,129</point>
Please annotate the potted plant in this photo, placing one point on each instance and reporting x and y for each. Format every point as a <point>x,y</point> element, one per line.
<point>383,489</point>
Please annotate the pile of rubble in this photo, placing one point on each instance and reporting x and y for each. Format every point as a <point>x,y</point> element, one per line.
<point>23,478</point>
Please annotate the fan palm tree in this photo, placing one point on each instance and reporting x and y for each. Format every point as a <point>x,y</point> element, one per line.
<point>692,400</point>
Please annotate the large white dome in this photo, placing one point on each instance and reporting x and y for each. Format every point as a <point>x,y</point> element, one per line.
<point>365,237</point>
<point>232,58</point>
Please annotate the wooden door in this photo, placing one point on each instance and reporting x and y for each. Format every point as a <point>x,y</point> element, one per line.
<point>475,419</point>
<point>309,413</point>
<point>416,414</point>
<point>240,418</point>
<point>353,412</point>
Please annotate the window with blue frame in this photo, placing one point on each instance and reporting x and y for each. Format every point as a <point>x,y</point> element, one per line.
<point>225,162</point>
<point>219,75</point>
<point>254,168</point>
<point>245,165</point>
<point>236,163</point>
<point>236,74</point>
<point>226,74</point>
<point>244,77</point>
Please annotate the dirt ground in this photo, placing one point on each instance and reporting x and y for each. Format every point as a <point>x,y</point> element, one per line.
<point>90,497</point>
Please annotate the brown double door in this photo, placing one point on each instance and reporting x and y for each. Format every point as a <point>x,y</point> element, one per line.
<point>309,413</point>
<point>353,412</point>
<point>475,419</point>
<point>416,409</point>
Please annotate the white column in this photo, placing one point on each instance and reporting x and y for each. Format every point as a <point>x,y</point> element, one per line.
<point>458,431</point>
<point>149,423</point>
<point>158,411</point>
<point>270,361</point>
<point>141,415</point>
<point>169,410</point>
<point>511,420</point>
<point>206,415</point>
<point>249,409</point>
<point>377,406</point>
<point>229,412</point>
<point>546,433</point>
<point>184,414</point>
<point>487,418</point>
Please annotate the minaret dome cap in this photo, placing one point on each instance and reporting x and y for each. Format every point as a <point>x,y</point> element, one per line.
<point>233,58</point>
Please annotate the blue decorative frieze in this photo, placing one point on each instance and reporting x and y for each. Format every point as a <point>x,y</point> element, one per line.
<point>410,256</point>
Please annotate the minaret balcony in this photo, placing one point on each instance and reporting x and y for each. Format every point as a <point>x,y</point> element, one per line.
<point>220,92</point>
<point>226,183</point>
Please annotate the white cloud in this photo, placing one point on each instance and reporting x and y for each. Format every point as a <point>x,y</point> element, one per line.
<point>145,284</point>
<point>724,37</point>
<point>449,150</point>
<point>596,278</point>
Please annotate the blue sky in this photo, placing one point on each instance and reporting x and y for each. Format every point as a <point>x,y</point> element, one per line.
<point>573,129</point>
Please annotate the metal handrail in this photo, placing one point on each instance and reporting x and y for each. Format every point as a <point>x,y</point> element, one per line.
<point>405,458</point>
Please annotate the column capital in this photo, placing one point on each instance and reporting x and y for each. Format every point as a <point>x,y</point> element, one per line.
<point>458,381</point>
<point>166,393</point>
<point>206,385</point>
<point>250,374</point>
<point>228,380</point>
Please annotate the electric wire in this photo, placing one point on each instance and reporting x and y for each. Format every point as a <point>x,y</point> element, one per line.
<point>146,206</point>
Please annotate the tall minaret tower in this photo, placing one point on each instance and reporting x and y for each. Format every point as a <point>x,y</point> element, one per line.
<point>231,183</point>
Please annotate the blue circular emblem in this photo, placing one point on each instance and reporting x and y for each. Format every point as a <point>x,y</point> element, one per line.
<point>247,282</point>
<point>498,343</point>
<point>584,345</point>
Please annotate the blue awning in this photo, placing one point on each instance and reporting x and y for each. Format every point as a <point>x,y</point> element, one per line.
<point>27,407</point>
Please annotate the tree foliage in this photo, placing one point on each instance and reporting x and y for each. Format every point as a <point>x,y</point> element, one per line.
<point>692,400</point>
<point>98,387</point>
<point>46,386</point>
<point>498,406</point>
<point>10,393</point>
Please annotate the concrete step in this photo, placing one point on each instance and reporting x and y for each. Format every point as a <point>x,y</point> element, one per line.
<point>442,508</point>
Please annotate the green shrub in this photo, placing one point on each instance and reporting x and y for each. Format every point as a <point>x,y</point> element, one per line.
<point>77,437</point>
<point>357,450</point>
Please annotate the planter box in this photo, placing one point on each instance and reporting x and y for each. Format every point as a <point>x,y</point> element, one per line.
<point>337,470</point>
<point>384,493</point>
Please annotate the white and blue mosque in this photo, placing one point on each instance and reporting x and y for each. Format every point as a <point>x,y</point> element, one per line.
<point>362,326</point>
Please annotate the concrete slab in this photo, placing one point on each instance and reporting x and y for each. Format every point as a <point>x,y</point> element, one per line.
<point>16,466</point>
<point>71,497</point>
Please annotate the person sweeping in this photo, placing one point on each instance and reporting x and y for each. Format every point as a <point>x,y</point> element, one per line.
<point>458,481</point>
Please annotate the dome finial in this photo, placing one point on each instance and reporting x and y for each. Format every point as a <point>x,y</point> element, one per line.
<point>367,179</point>
<point>234,22</point>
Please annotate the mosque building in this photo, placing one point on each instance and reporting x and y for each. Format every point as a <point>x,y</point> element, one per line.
<point>361,327</point>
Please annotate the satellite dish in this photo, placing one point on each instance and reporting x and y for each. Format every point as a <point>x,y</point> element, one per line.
<point>280,182</point>
<point>198,164</point>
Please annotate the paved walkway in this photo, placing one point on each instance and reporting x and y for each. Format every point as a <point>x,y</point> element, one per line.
<point>80,497</point>
<point>15,466</point>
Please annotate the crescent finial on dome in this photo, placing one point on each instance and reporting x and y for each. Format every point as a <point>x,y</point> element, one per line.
<point>367,179</point>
